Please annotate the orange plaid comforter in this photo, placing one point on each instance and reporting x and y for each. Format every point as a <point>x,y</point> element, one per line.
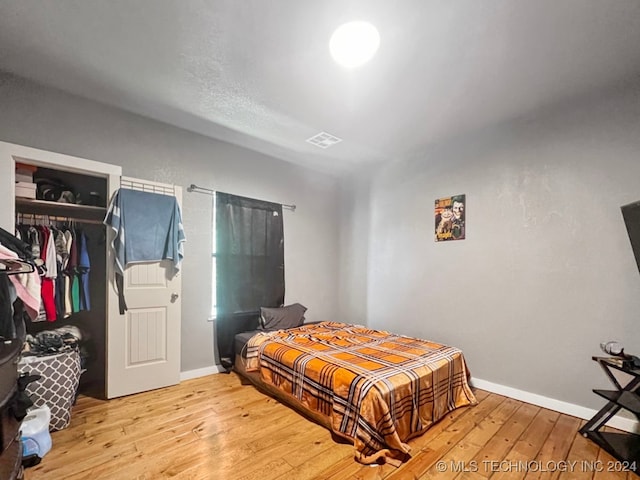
<point>378,389</point>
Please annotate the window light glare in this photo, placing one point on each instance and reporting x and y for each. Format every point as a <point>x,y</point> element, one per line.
<point>354,43</point>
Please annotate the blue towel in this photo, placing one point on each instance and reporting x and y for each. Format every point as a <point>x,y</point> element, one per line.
<point>148,228</point>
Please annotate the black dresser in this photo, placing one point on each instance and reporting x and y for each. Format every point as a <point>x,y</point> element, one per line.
<point>10,445</point>
<point>13,400</point>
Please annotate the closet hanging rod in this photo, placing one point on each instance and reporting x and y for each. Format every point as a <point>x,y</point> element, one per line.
<point>207,191</point>
<point>25,218</point>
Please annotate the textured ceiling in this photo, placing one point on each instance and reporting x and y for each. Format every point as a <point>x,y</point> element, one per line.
<point>258,73</point>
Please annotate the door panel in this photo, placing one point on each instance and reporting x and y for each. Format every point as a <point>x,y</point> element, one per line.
<point>144,343</point>
<point>146,336</point>
<point>146,276</point>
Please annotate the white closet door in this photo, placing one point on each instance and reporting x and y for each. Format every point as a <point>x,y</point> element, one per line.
<point>143,345</point>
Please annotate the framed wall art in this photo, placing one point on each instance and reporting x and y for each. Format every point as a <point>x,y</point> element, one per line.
<point>450,218</point>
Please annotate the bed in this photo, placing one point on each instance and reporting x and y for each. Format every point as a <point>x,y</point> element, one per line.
<point>371,387</point>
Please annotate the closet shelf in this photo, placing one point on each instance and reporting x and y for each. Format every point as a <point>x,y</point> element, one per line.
<point>71,210</point>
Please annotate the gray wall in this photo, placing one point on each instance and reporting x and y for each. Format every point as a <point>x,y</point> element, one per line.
<point>353,253</point>
<point>546,271</point>
<point>545,274</point>
<point>52,120</point>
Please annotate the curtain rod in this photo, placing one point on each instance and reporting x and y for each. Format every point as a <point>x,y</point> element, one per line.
<point>196,189</point>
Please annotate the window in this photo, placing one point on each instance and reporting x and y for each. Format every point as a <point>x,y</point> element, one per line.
<point>247,265</point>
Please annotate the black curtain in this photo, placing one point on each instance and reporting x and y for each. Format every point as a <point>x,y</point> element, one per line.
<point>249,265</point>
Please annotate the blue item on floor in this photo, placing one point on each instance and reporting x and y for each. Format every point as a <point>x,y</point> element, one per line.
<point>36,439</point>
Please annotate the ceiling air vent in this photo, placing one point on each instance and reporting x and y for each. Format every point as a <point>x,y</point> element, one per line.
<point>323,140</point>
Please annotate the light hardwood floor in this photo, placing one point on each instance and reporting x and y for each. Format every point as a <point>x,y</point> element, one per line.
<point>215,427</point>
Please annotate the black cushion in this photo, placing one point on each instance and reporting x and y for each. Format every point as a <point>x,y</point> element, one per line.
<point>280,318</point>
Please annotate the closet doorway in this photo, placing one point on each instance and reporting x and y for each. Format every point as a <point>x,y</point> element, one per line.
<point>140,349</point>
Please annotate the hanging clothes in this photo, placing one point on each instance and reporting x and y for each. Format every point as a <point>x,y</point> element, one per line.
<point>64,282</point>
<point>84,266</point>
<point>34,239</point>
<point>74,293</point>
<point>10,241</point>
<point>27,285</point>
<point>22,286</point>
<point>6,309</point>
<point>68,275</point>
<point>48,290</point>
<point>61,253</point>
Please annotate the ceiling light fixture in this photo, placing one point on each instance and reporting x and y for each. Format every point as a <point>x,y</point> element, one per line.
<point>354,43</point>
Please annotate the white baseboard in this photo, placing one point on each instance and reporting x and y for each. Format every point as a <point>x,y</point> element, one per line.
<point>202,372</point>
<point>621,423</point>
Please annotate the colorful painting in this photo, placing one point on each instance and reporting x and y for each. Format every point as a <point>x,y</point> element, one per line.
<point>450,218</point>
